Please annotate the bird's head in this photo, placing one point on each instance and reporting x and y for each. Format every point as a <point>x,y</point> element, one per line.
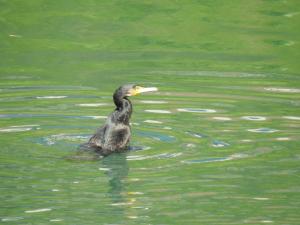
<point>128,90</point>
<point>135,90</point>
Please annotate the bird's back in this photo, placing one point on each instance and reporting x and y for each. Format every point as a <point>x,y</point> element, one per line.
<point>111,138</point>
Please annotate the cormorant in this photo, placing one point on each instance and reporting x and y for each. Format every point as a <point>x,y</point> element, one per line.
<point>114,135</point>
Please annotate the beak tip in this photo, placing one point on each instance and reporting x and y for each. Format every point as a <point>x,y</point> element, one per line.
<point>149,89</point>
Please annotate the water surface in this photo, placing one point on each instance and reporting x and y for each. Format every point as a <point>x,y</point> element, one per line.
<point>218,144</point>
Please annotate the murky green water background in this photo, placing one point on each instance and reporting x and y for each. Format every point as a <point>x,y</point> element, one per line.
<point>220,140</point>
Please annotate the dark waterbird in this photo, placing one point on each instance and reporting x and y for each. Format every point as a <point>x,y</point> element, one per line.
<point>114,135</point>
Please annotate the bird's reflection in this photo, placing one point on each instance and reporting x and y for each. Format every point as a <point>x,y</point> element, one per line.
<point>116,168</point>
<point>117,171</point>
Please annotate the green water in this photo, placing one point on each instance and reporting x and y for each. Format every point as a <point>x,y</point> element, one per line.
<point>218,144</point>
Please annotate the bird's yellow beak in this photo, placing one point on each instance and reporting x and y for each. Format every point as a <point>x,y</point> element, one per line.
<point>138,89</point>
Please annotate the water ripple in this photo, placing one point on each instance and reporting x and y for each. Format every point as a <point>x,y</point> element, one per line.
<point>219,144</point>
<point>217,159</point>
<point>194,110</point>
<point>20,128</point>
<point>8,219</point>
<point>30,88</point>
<point>38,210</point>
<point>54,139</point>
<point>263,130</point>
<point>254,118</point>
<point>221,118</point>
<point>159,156</point>
<point>283,90</point>
<point>56,220</point>
<point>153,102</point>
<point>158,111</point>
<point>51,97</point>
<point>194,134</point>
<point>283,139</point>
<point>91,104</point>
<point>21,115</point>
<point>209,73</point>
<point>291,117</point>
<point>157,136</point>
<point>153,121</point>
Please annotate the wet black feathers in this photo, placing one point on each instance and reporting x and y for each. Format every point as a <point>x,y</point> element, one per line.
<point>114,135</point>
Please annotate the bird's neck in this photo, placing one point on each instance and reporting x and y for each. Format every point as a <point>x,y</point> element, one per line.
<point>123,110</point>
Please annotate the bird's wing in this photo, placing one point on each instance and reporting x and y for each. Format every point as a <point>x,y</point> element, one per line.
<point>98,138</point>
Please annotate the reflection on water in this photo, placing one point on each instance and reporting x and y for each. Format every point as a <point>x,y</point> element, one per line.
<point>50,97</point>
<point>117,171</point>
<point>197,110</point>
<point>292,117</point>
<point>64,138</point>
<point>221,118</point>
<point>157,136</point>
<point>154,102</point>
<point>219,144</point>
<point>50,115</point>
<point>286,90</point>
<point>194,134</point>
<point>158,156</point>
<point>153,121</point>
<point>254,118</point>
<point>163,146</point>
<point>263,130</point>
<point>19,128</point>
<point>216,145</point>
<point>92,104</point>
<point>38,210</point>
<point>157,111</point>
